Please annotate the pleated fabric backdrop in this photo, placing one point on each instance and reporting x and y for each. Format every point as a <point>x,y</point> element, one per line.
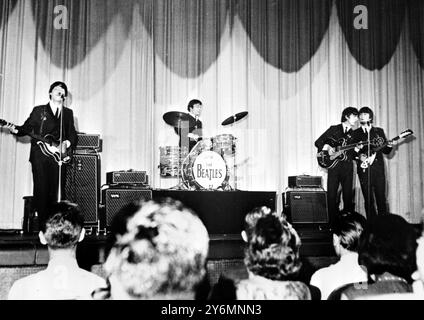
<point>294,65</point>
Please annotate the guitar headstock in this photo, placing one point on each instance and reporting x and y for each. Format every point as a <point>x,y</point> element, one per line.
<point>2,122</point>
<point>405,133</point>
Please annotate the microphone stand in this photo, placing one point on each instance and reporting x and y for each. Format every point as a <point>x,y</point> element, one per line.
<point>60,163</point>
<point>368,168</point>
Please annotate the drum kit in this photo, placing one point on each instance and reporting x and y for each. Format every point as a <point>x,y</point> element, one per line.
<point>210,165</point>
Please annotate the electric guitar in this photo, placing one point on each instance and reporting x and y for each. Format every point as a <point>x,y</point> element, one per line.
<point>368,161</point>
<point>326,161</point>
<point>48,144</point>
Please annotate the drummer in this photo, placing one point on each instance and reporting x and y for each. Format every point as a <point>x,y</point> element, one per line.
<point>190,136</point>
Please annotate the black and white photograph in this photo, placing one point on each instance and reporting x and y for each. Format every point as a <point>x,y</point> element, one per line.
<point>223,152</point>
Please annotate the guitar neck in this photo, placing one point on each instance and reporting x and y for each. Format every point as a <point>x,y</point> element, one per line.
<point>32,135</point>
<point>351,146</point>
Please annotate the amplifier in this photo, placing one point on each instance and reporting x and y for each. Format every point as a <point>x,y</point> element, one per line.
<point>306,207</point>
<point>115,199</point>
<point>305,181</point>
<point>126,177</point>
<point>82,185</point>
<point>88,141</point>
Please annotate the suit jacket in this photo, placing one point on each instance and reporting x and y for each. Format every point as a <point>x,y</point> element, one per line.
<point>42,121</point>
<point>375,133</point>
<point>335,132</point>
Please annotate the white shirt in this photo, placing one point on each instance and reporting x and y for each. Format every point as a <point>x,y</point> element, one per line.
<point>61,280</point>
<point>54,108</point>
<point>345,127</point>
<point>346,271</point>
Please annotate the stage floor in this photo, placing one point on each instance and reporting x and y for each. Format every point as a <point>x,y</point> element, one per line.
<point>26,250</point>
<point>222,212</point>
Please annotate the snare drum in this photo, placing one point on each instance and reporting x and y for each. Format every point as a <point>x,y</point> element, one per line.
<point>224,144</point>
<point>205,171</point>
<point>171,158</point>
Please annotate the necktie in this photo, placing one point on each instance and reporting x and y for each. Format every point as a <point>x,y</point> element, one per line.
<point>57,113</point>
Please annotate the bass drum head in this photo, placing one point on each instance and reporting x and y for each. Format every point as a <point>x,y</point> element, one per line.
<point>207,171</point>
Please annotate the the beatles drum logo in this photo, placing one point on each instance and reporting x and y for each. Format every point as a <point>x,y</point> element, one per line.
<point>209,170</point>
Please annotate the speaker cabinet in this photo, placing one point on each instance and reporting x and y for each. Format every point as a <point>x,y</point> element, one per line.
<point>114,199</point>
<point>306,207</point>
<point>83,185</point>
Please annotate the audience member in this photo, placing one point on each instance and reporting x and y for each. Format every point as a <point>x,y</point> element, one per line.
<point>418,276</point>
<point>347,231</point>
<point>63,279</point>
<point>387,250</point>
<point>272,260</point>
<point>161,254</point>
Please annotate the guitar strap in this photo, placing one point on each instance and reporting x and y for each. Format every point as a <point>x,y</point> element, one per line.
<point>43,119</point>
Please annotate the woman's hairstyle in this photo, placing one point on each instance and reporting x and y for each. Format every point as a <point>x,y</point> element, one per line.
<point>63,229</point>
<point>162,251</point>
<point>273,245</point>
<point>388,244</point>
<point>349,229</point>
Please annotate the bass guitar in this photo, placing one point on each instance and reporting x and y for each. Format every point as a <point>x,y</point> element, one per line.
<point>380,144</point>
<point>48,144</point>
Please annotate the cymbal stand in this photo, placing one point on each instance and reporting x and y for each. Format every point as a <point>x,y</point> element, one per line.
<point>180,185</point>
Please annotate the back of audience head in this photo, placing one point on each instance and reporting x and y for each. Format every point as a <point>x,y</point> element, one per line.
<point>161,253</point>
<point>347,232</point>
<point>64,228</point>
<point>272,245</point>
<point>388,244</point>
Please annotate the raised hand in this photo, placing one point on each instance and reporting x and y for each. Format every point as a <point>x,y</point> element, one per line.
<point>12,128</point>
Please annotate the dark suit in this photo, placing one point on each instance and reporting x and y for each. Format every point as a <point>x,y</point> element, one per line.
<point>196,129</point>
<point>45,170</point>
<point>373,179</point>
<point>342,173</point>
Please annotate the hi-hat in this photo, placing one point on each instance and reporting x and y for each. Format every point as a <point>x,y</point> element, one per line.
<point>179,119</point>
<point>234,118</point>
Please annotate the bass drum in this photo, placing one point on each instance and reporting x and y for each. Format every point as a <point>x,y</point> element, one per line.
<point>206,171</point>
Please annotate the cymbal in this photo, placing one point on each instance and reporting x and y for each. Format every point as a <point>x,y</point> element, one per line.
<point>234,118</point>
<point>179,119</point>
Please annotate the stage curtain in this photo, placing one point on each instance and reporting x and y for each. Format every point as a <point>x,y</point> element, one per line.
<point>293,65</point>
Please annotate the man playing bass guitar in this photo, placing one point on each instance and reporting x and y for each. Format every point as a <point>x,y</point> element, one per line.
<point>341,172</point>
<point>45,120</point>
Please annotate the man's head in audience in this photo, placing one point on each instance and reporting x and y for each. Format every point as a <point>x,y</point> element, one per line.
<point>388,244</point>
<point>272,245</point>
<point>64,229</point>
<point>161,254</point>
<point>347,231</point>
